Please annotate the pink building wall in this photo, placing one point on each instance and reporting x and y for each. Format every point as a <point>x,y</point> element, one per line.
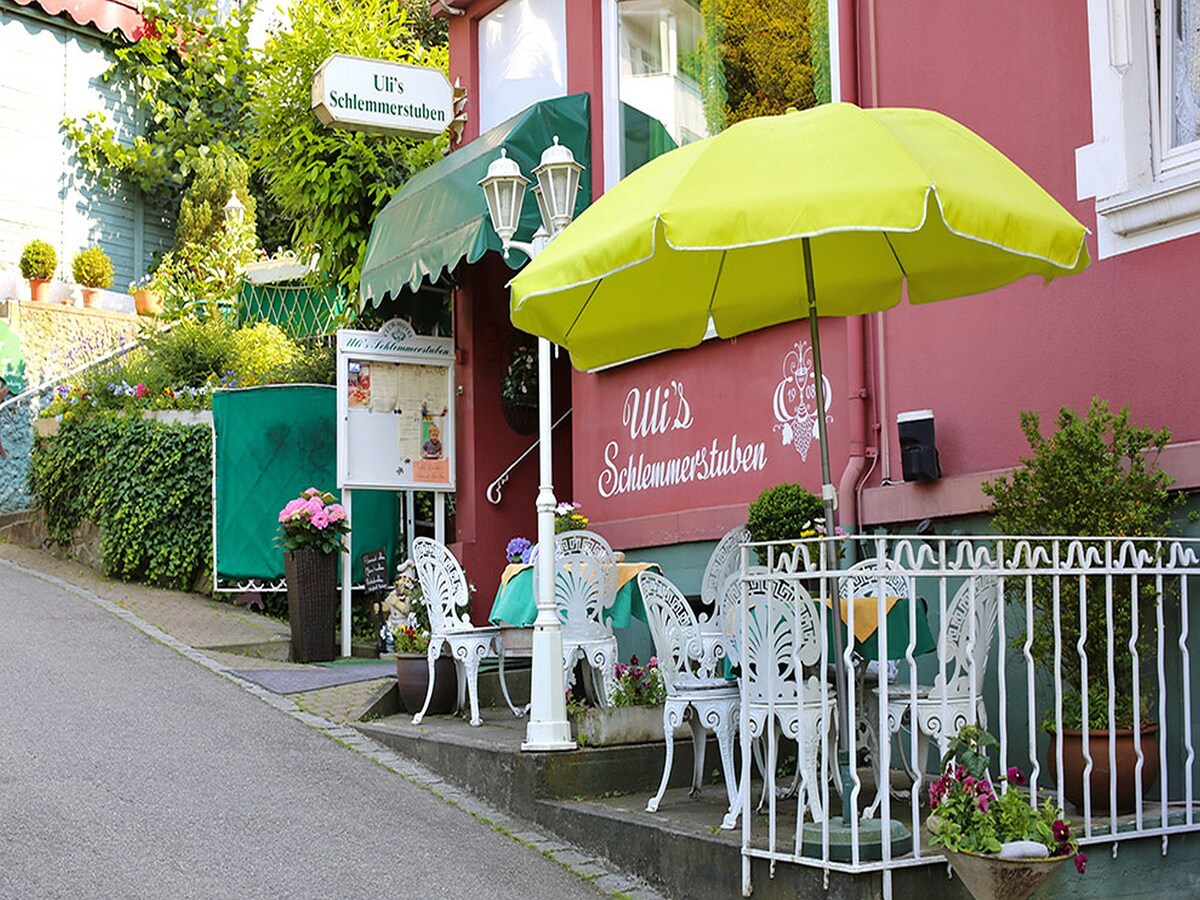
<point>1018,75</point>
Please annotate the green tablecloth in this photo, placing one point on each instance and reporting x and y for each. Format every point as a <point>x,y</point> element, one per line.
<point>897,630</point>
<point>515,605</point>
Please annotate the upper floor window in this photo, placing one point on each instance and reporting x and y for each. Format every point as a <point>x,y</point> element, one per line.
<point>522,58</point>
<point>1144,165</point>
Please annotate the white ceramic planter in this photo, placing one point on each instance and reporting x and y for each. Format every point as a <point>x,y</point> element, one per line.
<point>180,416</point>
<point>595,727</point>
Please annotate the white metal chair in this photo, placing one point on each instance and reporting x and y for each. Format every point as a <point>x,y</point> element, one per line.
<point>694,692</point>
<point>585,585</point>
<point>444,588</point>
<point>720,575</point>
<point>783,641</point>
<point>955,698</point>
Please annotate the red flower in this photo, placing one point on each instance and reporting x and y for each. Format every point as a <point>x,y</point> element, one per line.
<point>1016,776</point>
<point>984,799</point>
<point>1062,832</point>
<point>1081,862</point>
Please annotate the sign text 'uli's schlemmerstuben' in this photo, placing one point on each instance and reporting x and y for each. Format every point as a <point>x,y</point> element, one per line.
<point>372,95</point>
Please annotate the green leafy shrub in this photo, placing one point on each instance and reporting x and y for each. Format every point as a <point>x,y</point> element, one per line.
<point>38,260</point>
<point>261,353</point>
<point>1096,475</point>
<point>92,268</point>
<point>145,484</point>
<point>784,513</point>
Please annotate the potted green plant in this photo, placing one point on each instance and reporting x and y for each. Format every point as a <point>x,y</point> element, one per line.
<point>38,262</point>
<point>1097,475</point>
<point>147,295</point>
<point>785,512</point>
<point>313,527</point>
<point>93,272</point>
<point>999,840</point>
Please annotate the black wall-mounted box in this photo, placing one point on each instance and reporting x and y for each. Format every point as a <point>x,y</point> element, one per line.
<point>918,449</point>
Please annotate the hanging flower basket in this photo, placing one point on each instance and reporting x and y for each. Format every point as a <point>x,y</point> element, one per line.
<point>519,387</point>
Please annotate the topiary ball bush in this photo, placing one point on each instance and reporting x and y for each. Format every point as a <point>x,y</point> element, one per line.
<point>781,513</point>
<point>92,268</point>
<point>38,261</point>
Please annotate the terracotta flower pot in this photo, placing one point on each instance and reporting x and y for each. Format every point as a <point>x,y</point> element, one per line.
<point>91,297</point>
<point>1098,747</point>
<point>39,289</point>
<point>988,877</point>
<point>312,603</point>
<point>412,678</point>
<point>148,302</point>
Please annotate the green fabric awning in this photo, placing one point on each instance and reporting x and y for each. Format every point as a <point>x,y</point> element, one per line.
<point>440,217</point>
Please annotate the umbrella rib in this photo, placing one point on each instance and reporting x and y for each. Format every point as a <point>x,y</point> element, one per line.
<point>582,307</point>
<point>716,281</point>
<point>895,255</point>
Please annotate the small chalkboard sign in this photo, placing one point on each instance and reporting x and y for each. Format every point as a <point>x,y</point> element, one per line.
<point>375,570</point>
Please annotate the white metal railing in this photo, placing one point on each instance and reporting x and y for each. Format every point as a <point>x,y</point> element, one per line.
<point>1025,636</point>
<point>496,488</point>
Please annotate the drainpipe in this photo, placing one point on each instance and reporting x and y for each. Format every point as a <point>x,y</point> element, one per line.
<point>843,29</point>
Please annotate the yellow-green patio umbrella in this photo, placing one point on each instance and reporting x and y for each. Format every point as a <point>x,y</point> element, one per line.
<point>827,212</point>
<point>715,228</point>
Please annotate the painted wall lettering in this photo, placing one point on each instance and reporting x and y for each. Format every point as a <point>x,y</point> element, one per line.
<point>650,413</point>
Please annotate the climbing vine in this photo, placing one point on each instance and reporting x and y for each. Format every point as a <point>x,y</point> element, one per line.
<point>145,484</point>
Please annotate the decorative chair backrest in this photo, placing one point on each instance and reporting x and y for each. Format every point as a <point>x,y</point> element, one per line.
<point>443,586</point>
<point>862,579</point>
<point>966,656</point>
<point>675,631</point>
<point>723,567</point>
<point>585,581</point>
<point>782,630</point>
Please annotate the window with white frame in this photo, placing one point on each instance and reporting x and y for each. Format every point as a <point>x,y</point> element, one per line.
<point>1143,168</point>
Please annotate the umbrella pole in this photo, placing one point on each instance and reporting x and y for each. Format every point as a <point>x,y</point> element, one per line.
<point>827,494</point>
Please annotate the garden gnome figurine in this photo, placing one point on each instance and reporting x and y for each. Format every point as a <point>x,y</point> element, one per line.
<point>395,605</point>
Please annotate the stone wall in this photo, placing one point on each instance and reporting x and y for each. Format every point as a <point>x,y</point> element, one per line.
<point>54,340</point>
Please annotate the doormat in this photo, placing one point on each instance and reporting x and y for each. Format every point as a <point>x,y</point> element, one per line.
<point>315,678</point>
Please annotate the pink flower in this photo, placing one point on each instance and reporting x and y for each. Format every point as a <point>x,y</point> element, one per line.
<point>1080,862</point>
<point>984,800</point>
<point>1016,776</point>
<point>294,510</point>
<point>335,512</point>
<point>310,493</point>
<point>319,520</point>
<point>654,662</point>
<point>141,390</point>
<point>969,783</point>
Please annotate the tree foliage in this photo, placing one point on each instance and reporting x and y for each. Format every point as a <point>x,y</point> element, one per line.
<point>188,78</point>
<point>330,183</point>
<point>766,52</point>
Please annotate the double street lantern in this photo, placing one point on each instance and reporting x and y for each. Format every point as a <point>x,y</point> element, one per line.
<point>557,186</point>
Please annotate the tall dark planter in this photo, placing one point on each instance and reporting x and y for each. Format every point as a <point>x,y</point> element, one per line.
<point>312,603</point>
<point>412,679</point>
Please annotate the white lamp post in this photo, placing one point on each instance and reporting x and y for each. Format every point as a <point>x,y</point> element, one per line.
<point>504,187</point>
<point>235,210</point>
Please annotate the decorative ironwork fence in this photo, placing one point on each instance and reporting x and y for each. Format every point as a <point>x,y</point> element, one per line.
<point>1051,643</point>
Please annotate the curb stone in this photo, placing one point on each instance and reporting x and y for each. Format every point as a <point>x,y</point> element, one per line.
<point>589,868</point>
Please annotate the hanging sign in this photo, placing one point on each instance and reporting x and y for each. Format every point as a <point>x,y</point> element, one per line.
<point>395,408</point>
<point>359,94</point>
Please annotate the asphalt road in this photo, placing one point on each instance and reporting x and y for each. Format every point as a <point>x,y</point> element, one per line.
<point>127,770</point>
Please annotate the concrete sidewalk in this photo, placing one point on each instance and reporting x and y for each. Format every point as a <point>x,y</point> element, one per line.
<point>235,638</point>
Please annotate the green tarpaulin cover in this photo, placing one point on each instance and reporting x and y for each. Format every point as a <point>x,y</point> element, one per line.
<point>440,216</point>
<point>271,444</point>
